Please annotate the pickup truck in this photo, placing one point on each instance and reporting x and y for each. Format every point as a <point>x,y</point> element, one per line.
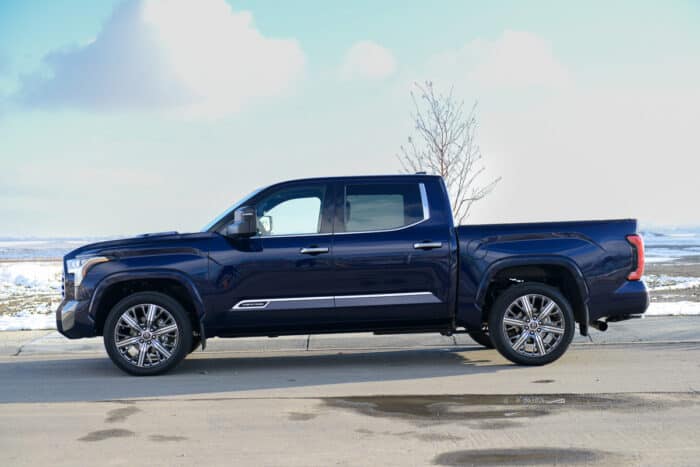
<point>352,254</point>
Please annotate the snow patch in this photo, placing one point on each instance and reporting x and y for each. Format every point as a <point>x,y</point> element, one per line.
<point>657,283</point>
<point>27,321</point>
<point>674,309</point>
<point>40,276</point>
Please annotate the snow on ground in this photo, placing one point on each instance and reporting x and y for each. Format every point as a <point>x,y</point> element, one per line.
<point>27,321</point>
<point>673,309</point>
<point>38,276</point>
<point>658,283</point>
<point>30,292</point>
<point>665,255</point>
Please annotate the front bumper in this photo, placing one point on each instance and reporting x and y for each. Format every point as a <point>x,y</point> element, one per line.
<point>73,319</point>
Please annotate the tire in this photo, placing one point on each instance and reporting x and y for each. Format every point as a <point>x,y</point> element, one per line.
<point>529,341</point>
<point>152,351</point>
<point>482,338</point>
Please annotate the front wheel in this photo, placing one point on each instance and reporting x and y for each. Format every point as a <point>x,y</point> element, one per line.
<point>147,333</point>
<point>531,324</point>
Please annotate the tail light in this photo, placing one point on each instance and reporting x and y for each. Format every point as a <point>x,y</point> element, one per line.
<point>638,244</point>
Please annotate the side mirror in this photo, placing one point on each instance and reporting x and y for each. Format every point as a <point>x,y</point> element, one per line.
<point>244,223</point>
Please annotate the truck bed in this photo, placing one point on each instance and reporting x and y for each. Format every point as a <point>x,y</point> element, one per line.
<point>595,253</point>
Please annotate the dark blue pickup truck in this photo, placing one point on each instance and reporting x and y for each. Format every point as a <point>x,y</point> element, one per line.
<point>349,254</point>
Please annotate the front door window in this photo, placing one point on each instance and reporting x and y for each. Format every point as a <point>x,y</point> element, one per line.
<point>291,211</point>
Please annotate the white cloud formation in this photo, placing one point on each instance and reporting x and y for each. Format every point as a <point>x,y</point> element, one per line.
<point>573,145</point>
<point>200,57</point>
<point>517,59</point>
<point>367,60</point>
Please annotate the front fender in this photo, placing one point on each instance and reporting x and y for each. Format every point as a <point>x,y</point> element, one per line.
<point>149,274</point>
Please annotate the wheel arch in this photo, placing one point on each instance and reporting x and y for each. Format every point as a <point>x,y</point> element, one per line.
<point>113,288</point>
<point>558,271</point>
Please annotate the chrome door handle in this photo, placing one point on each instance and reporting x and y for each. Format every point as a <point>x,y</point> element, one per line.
<point>427,245</point>
<point>313,251</point>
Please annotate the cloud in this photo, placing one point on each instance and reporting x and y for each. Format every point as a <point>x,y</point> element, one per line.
<point>517,59</point>
<point>201,57</point>
<point>574,144</point>
<point>367,60</point>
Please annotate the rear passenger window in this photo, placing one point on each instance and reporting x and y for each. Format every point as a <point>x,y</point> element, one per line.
<point>382,206</point>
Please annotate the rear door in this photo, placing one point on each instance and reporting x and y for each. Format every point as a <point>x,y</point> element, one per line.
<point>392,257</point>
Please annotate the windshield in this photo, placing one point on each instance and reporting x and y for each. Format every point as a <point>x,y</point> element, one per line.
<point>235,206</point>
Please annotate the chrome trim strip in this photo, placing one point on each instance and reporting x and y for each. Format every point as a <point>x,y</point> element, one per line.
<point>408,298</point>
<point>414,298</point>
<point>427,245</point>
<point>265,302</point>
<point>68,315</point>
<point>401,294</point>
<point>424,201</point>
<point>313,250</point>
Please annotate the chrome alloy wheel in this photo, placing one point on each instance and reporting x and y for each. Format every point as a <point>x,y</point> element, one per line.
<point>534,325</point>
<point>146,335</point>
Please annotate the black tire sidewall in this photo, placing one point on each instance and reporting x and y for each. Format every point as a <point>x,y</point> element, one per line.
<point>176,310</point>
<point>498,311</point>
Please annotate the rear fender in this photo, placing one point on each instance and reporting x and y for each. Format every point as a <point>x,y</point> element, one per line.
<point>538,260</point>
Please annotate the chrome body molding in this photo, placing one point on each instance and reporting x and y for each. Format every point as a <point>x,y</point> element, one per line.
<point>68,315</point>
<point>427,245</point>
<point>424,201</point>
<point>338,301</point>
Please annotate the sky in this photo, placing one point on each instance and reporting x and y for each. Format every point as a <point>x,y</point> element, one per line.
<point>123,117</point>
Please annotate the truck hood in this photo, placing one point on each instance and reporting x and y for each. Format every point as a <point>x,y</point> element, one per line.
<point>150,243</point>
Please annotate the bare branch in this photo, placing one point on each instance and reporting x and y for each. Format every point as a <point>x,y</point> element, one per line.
<point>444,143</point>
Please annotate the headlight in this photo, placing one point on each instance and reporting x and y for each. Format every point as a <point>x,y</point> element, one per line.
<point>79,267</point>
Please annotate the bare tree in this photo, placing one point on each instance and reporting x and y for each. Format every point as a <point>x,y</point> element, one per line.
<point>445,144</point>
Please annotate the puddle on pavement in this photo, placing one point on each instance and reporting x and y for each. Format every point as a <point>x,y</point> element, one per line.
<point>490,408</point>
<point>521,456</point>
<point>102,435</point>
<point>120,415</point>
<point>166,438</point>
<point>301,416</point>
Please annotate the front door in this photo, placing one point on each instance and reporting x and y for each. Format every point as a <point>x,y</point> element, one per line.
<point>392,258</point>
<point>283,275</point>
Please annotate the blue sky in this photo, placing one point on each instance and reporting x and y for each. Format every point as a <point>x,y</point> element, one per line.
<point>124,117</point>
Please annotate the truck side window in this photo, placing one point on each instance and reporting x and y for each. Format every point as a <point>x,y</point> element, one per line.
<point>291,211</point>
<point>370,207</point>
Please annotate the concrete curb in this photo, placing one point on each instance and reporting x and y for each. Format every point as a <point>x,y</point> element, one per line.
<point>661,329</point>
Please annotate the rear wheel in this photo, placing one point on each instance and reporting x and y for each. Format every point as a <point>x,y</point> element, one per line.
<point>147,333</point>
<point>481,338</point>
<point>531,324</point>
